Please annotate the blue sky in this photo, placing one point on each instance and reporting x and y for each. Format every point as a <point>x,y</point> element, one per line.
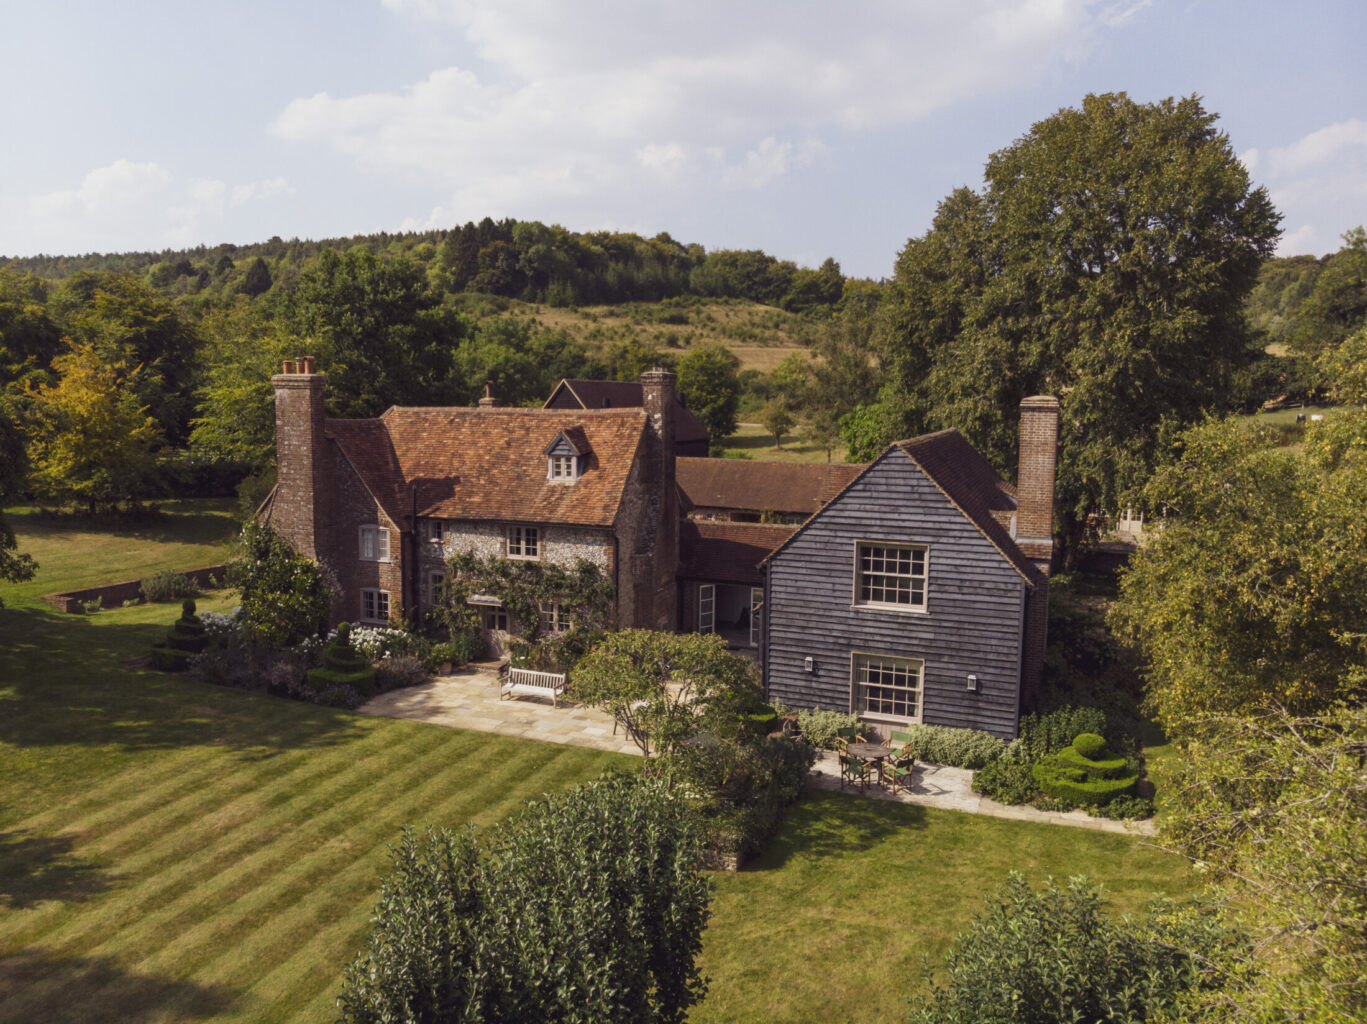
<point>806,129</point>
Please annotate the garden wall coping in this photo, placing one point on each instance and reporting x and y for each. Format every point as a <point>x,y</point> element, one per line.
<point>113,595</point>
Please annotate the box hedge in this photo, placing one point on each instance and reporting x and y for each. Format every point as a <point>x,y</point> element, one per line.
<point>342,666</point>
<point>1094,781</point>
<point>183,641</point>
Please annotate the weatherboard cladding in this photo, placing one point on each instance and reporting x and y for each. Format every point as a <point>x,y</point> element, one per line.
<point>490,463</point>
<point>975,601</point>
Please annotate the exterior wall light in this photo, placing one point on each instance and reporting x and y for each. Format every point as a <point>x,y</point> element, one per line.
<point>808,665</point>
<point>973,683</point>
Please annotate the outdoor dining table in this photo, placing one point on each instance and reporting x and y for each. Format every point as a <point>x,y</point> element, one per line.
<point>874,752</point>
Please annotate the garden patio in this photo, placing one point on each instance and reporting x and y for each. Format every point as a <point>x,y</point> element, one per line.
<point>469,699</point>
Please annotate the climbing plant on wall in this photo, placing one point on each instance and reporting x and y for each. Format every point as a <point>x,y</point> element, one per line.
<point>581,594</point>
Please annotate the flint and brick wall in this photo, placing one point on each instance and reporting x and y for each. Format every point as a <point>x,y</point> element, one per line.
<point>560,545</point>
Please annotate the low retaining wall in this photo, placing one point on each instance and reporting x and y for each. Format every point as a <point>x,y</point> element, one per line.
<point>113,595</point>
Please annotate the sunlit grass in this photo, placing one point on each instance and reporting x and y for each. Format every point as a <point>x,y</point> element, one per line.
<point>171,851</point>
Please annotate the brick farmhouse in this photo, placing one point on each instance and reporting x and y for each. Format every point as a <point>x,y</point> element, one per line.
<point>911,589</point>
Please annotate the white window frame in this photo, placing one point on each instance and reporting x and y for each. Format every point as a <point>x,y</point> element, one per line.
<point>434,530</point>
<point>372,601</point>
<point>521,539</point>
<point>553,618</point>
<point>562,469</point>
<point>432,587</point>
<point>373,543</point>
<point>707,607</point>
<point>914,578</point>
<point>860,664</point>
<point>491,614</point>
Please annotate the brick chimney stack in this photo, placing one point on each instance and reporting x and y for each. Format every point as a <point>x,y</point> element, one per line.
<point>1034,531</point>
<point>303,464</point>
<point>488,401</point>
<point>658,388</point>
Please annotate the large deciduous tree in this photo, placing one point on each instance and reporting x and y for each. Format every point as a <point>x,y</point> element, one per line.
<point>1338,303</point>
<point>1276,805</point>
<point>708,381</point>
<point>90,440</point>
<point>127,323</point>
<point>1255,590</point>
<point>1106,261</point>
<point>391,339</point>
<point>15,566</point>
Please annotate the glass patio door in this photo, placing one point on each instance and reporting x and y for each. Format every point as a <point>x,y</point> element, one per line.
<point>707,608</point>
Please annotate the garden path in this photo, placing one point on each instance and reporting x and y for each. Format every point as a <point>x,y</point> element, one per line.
<point>935,785</point>
<point>469,700</point>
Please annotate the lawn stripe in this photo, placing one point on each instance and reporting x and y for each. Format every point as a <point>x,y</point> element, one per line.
<point>194,805</point>
<point>286,986</point>
<point>135,935</point>
<point>157,888</point>
<point>288,906</point>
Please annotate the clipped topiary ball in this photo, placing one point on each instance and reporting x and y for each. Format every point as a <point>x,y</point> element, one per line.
<point>1090,745</point>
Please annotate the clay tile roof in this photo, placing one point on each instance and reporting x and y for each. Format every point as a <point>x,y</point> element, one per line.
<point>791,487</point>
<point>969,480</point>
<point>576,437</point>
<point>727,552</point>
<point>490,463</point>
<point>626,394</point>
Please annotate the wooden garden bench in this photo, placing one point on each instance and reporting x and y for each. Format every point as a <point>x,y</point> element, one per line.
<point>522,682</point>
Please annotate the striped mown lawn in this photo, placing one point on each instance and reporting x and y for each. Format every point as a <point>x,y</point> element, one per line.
<point>171,851</point>
<point>174,852</point>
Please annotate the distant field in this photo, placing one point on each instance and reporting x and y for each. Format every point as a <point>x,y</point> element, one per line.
<point>751,439</point>
<point>760,336</point>
<point>1285,417</point>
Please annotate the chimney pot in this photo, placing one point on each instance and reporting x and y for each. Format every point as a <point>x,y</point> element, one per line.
<point>308,364</point>
<point>488,401</point>
<point>287,366</point>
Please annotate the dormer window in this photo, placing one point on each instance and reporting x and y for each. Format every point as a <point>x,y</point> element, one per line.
<point>563,468</point>
<point>566,455</point>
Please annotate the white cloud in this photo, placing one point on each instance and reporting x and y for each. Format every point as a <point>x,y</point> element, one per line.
<point>1319,182</point>
<point>1343,140</point>
<point>575,104</point>
<point>125,205</point>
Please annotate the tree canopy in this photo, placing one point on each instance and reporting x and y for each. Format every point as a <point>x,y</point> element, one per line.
<point>1106,262</point>
<point>1255,589</point>
<point>708,382</point>
<point>392,340</point>
<point>90,440</point>
<point>588,907</point>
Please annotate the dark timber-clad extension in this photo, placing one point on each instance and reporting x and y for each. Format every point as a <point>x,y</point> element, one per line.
<point>911,571</point>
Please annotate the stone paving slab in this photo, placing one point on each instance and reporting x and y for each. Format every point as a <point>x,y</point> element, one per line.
<point>469,700</point>
<point>934,785</point>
